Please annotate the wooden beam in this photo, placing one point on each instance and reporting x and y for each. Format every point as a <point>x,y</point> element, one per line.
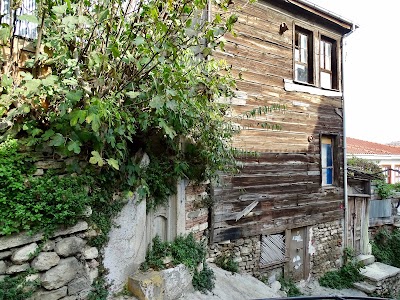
<point>246,211</point>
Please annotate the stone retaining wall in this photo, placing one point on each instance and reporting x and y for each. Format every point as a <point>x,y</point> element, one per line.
<point>325,247</point>
<point>66,266</point>
<point>245,251</point>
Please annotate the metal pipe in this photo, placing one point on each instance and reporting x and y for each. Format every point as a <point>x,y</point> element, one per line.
<point>345,191</point>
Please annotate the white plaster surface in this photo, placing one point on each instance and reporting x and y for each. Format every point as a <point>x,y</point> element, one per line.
<point>126,247</point>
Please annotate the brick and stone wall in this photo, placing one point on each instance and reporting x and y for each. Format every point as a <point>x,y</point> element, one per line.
<point>196,209</point>
<point>325,247</point>
<point>64,264</point>
<point>244,251</point>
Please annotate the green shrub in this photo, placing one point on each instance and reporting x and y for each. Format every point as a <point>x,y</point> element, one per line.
<point>289,287</point>
<point>345,276</point>
<point>204,280</point>
<point>384,190</point>
<point>227,263</point>
<point>184,250</point>
<point>386,247</point>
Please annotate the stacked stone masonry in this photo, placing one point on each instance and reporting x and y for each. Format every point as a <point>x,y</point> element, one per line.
<point>196,209</point>
<point>244,251</point>
<point>64,265</point>
<point>325,247</point>
<point>390,287</point>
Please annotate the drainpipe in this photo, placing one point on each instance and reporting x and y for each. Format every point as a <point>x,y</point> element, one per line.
<point>346,199</point>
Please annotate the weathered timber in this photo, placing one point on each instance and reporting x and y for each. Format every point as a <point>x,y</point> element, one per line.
<point>285,177</point>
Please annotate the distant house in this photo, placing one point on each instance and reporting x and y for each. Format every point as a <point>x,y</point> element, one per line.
<point>387,156</point>
<point>284,211</point>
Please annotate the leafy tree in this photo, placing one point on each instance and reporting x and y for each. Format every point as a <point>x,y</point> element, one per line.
<point>110,78</point>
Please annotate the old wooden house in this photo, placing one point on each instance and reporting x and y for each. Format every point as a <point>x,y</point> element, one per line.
<point>285,210</point>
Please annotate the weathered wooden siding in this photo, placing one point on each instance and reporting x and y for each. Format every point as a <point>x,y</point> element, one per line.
<point>285,177</point>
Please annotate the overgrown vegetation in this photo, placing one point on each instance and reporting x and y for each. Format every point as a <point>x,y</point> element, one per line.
<point>184,250</point>
<point>16,288</point>
<point>366,166</point>
<point>289,287</point>
<point>119,77</point>
<point>99,290</point>
<point>204,280</point>
<point>227,263</point>
<point>386,190</point>
<point>37,203</point>
<point>346,275</point>
<point>386,247</point>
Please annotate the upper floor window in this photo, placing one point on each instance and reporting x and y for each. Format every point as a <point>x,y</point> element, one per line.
<point>22,28</point>
<point>303,54</point>
<point>328,63</point>
<point>315,59</point>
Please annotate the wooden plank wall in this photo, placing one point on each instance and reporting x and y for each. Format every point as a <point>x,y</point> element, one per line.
<point>285,177</point>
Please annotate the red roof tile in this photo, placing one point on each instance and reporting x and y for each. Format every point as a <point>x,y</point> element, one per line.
<point>355,146</point>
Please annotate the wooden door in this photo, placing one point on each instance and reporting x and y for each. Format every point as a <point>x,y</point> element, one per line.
<point>298,254</point>
<point>358,224</point>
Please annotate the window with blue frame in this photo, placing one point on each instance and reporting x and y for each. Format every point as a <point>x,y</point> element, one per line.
<point>327,165</point>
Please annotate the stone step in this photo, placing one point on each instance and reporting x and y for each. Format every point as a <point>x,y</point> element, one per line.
<point>377,272</point>
<point>366,260</point>
<point>365,287</point>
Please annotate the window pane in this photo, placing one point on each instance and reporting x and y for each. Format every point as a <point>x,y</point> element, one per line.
<point>296,54</point>
<point>301,73</point>
<point>329,160</point>
<point>326,80</point>
<point>328,55</point>
<point>303,55</point>
<point>321,54</point>
<point>329,177</point>
<point>304,39</point>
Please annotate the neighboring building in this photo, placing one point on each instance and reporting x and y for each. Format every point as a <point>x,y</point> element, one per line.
<point>386,156</point>
<point>23,28</point>
<point>284,211</point>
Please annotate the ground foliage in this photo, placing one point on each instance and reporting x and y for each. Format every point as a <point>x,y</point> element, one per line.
<point>289,287</point>
<point>227,263</point>
<point>346,275</point>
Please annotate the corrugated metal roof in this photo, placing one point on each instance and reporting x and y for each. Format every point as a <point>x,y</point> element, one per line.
<point>356,146</point>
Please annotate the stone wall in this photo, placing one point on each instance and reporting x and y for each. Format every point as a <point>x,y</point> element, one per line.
<point>196,209</point>
<point>245,251</point>
<point>325,247</point>
<point>65,265</point>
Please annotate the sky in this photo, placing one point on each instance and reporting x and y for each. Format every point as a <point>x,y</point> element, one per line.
<point>371,68</point>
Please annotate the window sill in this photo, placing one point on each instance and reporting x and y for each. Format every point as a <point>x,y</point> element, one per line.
<point>294,86</point>
<point>329,187</point>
